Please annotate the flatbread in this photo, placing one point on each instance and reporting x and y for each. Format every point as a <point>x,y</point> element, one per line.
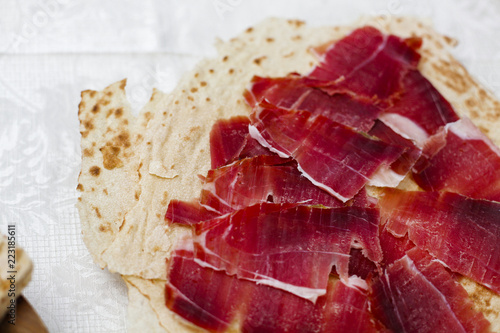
<point>145,162</point>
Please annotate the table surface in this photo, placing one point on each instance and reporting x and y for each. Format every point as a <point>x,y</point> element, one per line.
<point>50,50</point>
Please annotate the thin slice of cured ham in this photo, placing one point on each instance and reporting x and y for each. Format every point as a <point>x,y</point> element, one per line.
<point>420,110</point>
<point>259,179</point>
<point>366,63</point>
<point>333,156</point>
<point>254,180</point>
<point>188,213</point>
<point>463,233</point>
<point>230,141</point>
<point>393,248</point>
<point>287,246</point>
<point>292,93</point>
<point>214,301</point>
<point>417,295</point>
<point>460,159</point>
<point>395,172</point>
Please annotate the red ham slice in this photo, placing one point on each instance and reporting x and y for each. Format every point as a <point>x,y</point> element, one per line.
<point>366,63</point>
<point>214,300</point>
<point>287,246</point>
<point>291,93</point>
<point>420,111</point>
<point>463,233</point>
<point>395,172</point>
<point>188,213</point>
<point>334,157</point>
<point>230,141</point>
<point>259,179</point>
<point>460,159</point>
<point>251,181</point>
<point>393,248</point>
<point>418,295</point>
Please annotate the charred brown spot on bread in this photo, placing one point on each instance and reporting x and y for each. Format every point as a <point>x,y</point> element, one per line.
<point>203,83</point>
<point>124,139</point>
<point>208,99</point>
<point>110,159</point>
<point>450,41</point>
<point>257,61</point>
<point>481,298</point>
<point>95,170</point>
<point>249,30</point>
<point>97,212</point>
<point>296,23</point>
<point>470,103</point>
<point>123,84</point>
<point>224,59</point>
<point>109,93</point>
<point>109,113</point>
<point>455,80</point>
<point>190,98</point>
<point>104,101</point>
<point>81,106</point>
<point>176,102</point>
<point>88,124</point>
<point>105,191</point>
<point>484,129</point>
<point>139,171</point>
<point>211,71</point>
<point>137,194</point>
<point>269,39</point>
<point>196,74</point>
<point>231,70</point>
<point>88,152</point>
<point>96,108</point>
<point>164,113</point>
<point>84,134</point>
<point>79,187</point>
<point>194,89</point>
<point>92,93</point>
<point>118,112</point>
<point>105,227</point>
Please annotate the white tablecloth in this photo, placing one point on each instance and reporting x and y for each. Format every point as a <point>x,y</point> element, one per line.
<point>50,50</point>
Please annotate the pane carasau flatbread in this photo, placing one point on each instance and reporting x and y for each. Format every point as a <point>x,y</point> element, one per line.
<point>133,166</point>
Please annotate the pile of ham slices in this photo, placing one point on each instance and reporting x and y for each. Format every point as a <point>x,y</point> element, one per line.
<point>285,210</point>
